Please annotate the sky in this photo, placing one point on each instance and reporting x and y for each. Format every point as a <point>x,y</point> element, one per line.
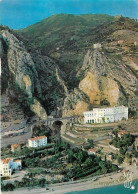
<point>18,14</point>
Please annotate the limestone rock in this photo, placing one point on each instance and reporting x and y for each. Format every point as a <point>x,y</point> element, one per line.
<point>38,109</point>
<point>90,87</point>
<point>75,103</point>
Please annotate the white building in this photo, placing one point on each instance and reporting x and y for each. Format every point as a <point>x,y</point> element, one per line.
<point>8,165</point>
<point>92,151</point>
<point>97,45</point>
<point>106,115</point>
<point>17,164</point>
<point>37,141</point>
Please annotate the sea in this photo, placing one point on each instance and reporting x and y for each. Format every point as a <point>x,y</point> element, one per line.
<point>117,189</point>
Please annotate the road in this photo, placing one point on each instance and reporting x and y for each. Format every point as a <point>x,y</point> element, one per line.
<point>17,139</point>
<point>14,127</point>
<point>79,185</point>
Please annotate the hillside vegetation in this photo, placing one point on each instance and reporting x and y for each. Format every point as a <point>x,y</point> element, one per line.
<point>69,73</point>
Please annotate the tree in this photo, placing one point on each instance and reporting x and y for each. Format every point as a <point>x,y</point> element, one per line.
<point>88,161</point>
<point>90,141</point>
<point>42,182</point>
<point>122,151</point>
<point>16,183</point>
<point>70,156</point>
<point>104,169</point>
<point>103,119</point>
<point>80,157</point>
<point>105,158</point>
<point>120,160</point>
<point>8,187</point>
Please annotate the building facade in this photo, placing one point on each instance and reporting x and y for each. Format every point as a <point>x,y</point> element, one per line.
<point>92,151</point>
<point>37,141</point>
<point>8,165</point>
<point>97,45</point>
<point>106,115</point>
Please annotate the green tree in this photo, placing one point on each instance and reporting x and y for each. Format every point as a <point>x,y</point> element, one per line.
<point>16,183</point>
<point>120,160</point>
<point>70,156</point>
<point>9,187</point>
<point>42,182</point>
<point>90,141</point>
<point>122,151</point>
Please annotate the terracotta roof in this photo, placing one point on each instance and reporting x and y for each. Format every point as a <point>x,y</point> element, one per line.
<point>125,170</point>
<point>17,160</point>
<point>6,161</point>
<point>15,145</point>
<point>92,150</point>
<point>122,132</point>
<point>35,138</point>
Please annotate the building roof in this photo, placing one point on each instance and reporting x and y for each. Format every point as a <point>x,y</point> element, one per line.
<point>92,150</point>
<point>17,160</point>
<point>122,132</point>
<point>125,170</point>
<point>6,160</point>
<point>15,145</point>
<point>36,138</point>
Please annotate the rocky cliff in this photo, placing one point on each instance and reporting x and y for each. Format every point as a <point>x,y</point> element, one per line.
<point>30,79</point>
<point>58,71</point>
<point>108,75</point>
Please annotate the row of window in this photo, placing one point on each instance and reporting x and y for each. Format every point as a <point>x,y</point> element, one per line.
<point>103,114</point>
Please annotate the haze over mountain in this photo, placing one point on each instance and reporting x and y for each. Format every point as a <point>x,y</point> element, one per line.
<point>54,65</point>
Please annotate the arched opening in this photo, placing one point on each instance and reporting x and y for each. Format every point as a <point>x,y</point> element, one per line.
<point>56,127</point>
<point>59,123</point>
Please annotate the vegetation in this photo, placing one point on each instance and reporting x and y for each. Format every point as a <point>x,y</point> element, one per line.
<point>7,187</point>
<point>89,145</point>
<point>80,162</point>
<point>125,141</point>
<point>123,144</point>
<point>131,113</point>
<point>60,159</point>
<point>104,102</point>
<point>66,38</point>
<point>41,130</point>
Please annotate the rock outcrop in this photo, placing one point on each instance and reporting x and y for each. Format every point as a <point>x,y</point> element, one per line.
<point>34,79</point>
<point>105,81</point>
<point>82,77</point>
<point>75,103</point>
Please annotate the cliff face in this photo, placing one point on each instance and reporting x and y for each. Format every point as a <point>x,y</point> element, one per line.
<point>75,103</point>
<point>82,77</point>
<point>108,78</point>
<point>28,77</point>
<point>100,89</point>
<point>22,72</point>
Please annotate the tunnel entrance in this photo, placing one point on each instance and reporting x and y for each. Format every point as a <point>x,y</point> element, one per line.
<point>56,128</point>
<point>57,125</point>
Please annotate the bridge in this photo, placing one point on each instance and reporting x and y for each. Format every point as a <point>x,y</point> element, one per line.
<point>63,121</point>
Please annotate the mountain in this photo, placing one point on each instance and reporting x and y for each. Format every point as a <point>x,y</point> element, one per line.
<point>28,79</point>
<point>55,63</point>
<point>65,38</point>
